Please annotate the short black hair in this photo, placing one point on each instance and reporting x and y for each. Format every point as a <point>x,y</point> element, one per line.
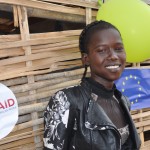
<point>89,30</point>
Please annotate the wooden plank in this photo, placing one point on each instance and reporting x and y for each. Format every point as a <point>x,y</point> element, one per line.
<point>11,52</point>
<point>24,29</point>
<point>28,124</point>
<point>146,146</point>
<point>55,46</point>
<point>22,136</point>
<point>89,4</point>
<point>145,128</point>
<point>33,42</point>
<point>45,6</point>
<point>142,123</point>
<point>88,14</point>
<point>9,38</point>
<point>60,85</point>
<point>141,115</point>
<point>64,74</point>
<point>17,37</point>
<point>11,67</point>
<point>57,34</point>
<point>24,118</point>
<point>38,68</point>
<point>47,93</point>
<point>47,14</point>
<point>26,70</point>
<point>17,143</point>
<point>25,146</point>
<point>32,108</point>
<point>15,14</point>
<point>41,84</point>
<point>37,56</point>
<point>40,48</point>
<point>28,146</point>
<point>23,80</point>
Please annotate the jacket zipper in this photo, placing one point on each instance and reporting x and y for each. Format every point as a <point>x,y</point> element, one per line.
<point>91,138</point>
<point>113,128</point>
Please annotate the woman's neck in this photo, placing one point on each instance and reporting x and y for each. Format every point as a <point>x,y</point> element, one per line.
<point>107,84</point>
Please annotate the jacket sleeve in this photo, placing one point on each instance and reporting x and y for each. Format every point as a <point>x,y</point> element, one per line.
<point>56,118</point>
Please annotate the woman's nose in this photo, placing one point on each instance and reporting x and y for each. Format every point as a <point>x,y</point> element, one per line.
<point>112,54</point>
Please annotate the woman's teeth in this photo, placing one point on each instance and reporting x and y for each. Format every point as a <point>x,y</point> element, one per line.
<point>112,67</point>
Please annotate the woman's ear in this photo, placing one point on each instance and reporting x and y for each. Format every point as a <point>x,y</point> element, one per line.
<point>85,59</point>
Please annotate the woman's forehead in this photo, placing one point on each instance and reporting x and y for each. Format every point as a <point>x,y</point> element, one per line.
<point>107,35</point>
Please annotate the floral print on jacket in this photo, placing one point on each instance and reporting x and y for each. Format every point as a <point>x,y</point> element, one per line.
<point>55,121</point>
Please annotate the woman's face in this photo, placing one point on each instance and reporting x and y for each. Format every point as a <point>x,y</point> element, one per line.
<point>106,55</point>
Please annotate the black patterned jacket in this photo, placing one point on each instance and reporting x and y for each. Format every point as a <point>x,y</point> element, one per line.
<point>74,121</point>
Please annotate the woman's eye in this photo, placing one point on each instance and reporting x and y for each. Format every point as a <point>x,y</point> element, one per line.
<point>103,51</point>
<point>119,49</point>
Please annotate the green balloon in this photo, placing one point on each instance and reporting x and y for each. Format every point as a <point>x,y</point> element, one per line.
<point>132,18</point>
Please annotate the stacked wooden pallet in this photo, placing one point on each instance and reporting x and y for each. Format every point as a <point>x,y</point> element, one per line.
<point>34,66</point>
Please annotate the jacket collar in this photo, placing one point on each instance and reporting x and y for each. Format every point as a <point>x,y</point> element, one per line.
<point>95,116</point>
<point>87,88</point>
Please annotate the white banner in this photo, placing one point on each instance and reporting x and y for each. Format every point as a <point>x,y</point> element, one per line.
<point>8,111</point>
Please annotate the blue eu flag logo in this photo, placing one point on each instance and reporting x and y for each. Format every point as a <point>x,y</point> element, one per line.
<point>135,84</point>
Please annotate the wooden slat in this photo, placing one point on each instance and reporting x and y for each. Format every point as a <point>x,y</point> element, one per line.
<point>41,84</point>
<point>17,143</point>
<point>45,6</point>
<point>28,124</point>
<point>22,136</point>
<point>75,3</point>
<point>23,80</point>
<point>37,56</point>
<point>11,52</point>
<point>28,70</point>
<point>16,37</point>
<point>146,146</point>
<point>142,123</point>
<point>88,14</point>
<point>140,115</point>
<point>48,93</point>
<point>33,42</point>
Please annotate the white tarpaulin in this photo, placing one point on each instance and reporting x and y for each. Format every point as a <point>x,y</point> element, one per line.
<point>8,111</point>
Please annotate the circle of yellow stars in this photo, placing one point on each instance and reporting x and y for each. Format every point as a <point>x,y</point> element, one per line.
<point>138,82</point>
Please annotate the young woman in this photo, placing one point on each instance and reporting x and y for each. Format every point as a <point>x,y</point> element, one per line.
<point>93,115</point>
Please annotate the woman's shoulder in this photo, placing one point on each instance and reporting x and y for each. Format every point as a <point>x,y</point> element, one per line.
<point>72,89</point>
<point>67,93</point>
<point>75,95</point>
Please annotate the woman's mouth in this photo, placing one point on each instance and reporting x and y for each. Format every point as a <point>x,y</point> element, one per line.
<point>113,66</point>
